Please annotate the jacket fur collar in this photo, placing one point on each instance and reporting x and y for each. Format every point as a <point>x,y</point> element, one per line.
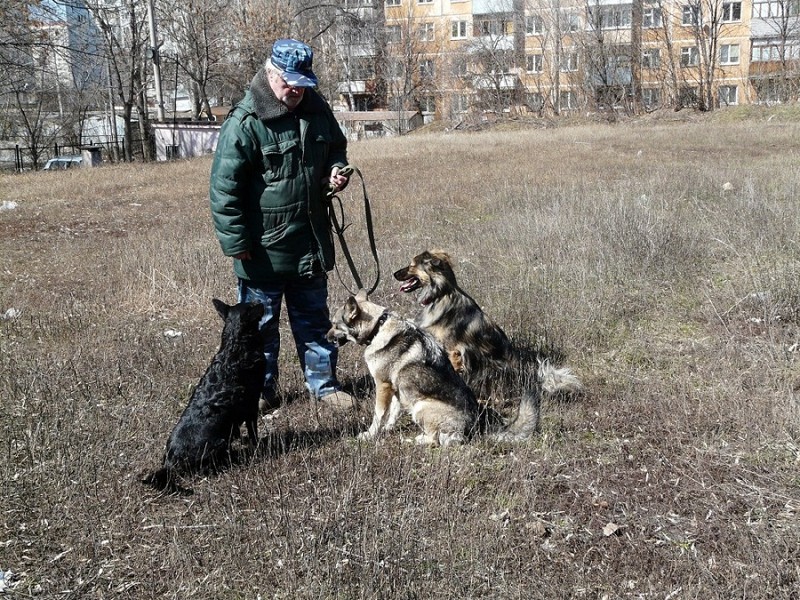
<point>267,106</point>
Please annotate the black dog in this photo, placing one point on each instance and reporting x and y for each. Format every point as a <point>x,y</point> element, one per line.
<point>224,398</point>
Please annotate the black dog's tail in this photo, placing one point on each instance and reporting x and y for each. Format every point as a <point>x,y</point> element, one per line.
<point>526,423</point>
<point>166,480</point>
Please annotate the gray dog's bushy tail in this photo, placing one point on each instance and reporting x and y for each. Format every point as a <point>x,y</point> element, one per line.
<point>526,423</point>
<point>558,380</point>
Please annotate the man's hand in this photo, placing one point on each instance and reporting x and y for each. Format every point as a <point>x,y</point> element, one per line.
<point>243,255</point>
<point>338,182</point>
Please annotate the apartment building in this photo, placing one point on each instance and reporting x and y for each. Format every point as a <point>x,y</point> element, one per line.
<point>448,58</point>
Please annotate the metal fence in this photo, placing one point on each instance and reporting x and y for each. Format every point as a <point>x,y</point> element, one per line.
<point>18,158</point>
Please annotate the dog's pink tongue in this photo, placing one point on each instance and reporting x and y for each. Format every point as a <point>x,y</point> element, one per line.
<point>408,285</point>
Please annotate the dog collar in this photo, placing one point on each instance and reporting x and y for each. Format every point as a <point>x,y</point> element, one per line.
<point>378,324</point>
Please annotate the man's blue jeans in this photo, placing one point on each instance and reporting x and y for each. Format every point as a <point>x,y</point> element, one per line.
<point>309,318</point>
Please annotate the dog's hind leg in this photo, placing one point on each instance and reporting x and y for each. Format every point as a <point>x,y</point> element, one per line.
<point>383,400</point>
<point>395,408</point>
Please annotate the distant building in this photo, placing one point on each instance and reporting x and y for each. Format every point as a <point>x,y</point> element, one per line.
<point>453,58</point>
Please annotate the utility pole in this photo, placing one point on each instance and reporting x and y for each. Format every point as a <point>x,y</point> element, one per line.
<point>154,54</point>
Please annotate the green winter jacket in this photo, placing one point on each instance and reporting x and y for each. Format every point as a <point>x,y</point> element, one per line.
<point>266,193</point>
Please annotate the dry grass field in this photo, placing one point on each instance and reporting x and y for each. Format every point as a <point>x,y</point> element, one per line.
<point>662,259</point>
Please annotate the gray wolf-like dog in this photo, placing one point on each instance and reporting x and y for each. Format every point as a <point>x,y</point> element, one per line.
<point>477,346</point>
<point>225,397</point>
<point>412,372</point>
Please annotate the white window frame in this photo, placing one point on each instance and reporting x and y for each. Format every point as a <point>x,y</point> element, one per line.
<point>690,56</point>
<point>572,22</point>
<point>731,12</point>
<point>534,63</point>
<point>426,32</point>
<point>459,29</point>
<point>569,62</point>
<point>427,68</point>
<point>728,95</point>
<point>690,15</point>
<point>651,96</point>
<point>729,54</point>
<point>652,18</point>
<point>651,58</point>
<point>394,34</point>
<point>427,104</point>
<point>393,2</point>
<point>571,100</point>
<point>618,16</point>
<point>460,103</point>
<point>535,100</point>
<point>534,25</point>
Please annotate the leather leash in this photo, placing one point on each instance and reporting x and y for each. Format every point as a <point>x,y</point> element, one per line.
<point>338,226</point>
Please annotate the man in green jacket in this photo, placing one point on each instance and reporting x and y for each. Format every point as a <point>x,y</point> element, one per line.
<point>278,149</point>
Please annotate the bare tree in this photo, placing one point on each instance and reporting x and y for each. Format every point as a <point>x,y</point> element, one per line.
<point>196,46</point>
<point>126,52</point>
<point>411,60</point>
<point>707,20</point>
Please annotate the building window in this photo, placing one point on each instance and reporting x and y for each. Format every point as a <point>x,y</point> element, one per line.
<point>728,95</point>
<point>424,1</point>
<point>460,103</point>
<point>426,68</point>
<point>535,101</point>
<point>687,96</point>
<point>651,97</point>
<point>571,22</point>
<point>427,104</point>
<point>394,34</point>
<point>731,11</point>
<point>426,32</point>
<point>651,58</point>
<point>392,2</point>
<point>394,68</point>
<point>569,62</point>
<point>612,17</point>
<point>651,17</point>
<point>773,9</point>
<point>458,30</point>
<point>690,57</point>
<point>690,15</point>
<point>495,27</point>
<point>568,100</point>
<point>534,63</point>
<point>459,66</point>
<point>534,25</point>
<point>729,54</point>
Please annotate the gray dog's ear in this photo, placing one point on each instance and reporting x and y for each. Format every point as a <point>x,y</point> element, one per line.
<point>361,296</point>
<point>351,309</point>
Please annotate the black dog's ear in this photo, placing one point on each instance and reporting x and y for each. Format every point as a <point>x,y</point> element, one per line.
<point>255,310</point>
<point>222,308</point>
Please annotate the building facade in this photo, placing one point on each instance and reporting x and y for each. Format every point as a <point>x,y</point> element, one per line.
<point>451,58</point>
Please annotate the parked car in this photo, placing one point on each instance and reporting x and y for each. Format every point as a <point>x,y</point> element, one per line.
<point>59,163</point>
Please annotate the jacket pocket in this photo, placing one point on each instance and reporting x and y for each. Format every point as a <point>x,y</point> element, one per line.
<point>274,234</point>
<point>280,160</point>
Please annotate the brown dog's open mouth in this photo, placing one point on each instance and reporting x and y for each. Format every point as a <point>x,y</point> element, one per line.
<point>410,284</point>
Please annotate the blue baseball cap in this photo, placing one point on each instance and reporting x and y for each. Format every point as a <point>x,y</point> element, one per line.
<point>294,59</point>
